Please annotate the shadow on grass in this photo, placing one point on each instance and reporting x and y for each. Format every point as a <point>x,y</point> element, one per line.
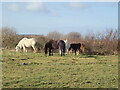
<point>89,56</point>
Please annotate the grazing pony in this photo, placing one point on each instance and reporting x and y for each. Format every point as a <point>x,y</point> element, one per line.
<point>26,43</point>
<point>62,47</point>
<point>82,48</point>
<point>75,47</point>
<point>52,44</point>
<point>67,45</point>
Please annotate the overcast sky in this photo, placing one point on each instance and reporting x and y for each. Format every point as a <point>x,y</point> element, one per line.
<point>42,18</point>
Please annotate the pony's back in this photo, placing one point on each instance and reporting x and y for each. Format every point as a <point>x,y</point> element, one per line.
<point>29,42</point>
<point>67,44</point>
<point>26,43</point>
<point>22,41</point>
<point>62,44</point>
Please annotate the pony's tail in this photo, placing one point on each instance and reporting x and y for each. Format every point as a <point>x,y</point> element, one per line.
<point>45,49</point>
<point>64,48</point>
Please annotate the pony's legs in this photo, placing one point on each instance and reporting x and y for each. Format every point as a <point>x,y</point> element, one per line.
<point>24,49</point>
<point>81,51</point>
<point>67,51</point>
<point>34,49</point>
<point>46,50</point>
<point>52,52</point>
<point>60,51</point>
<point>49,52</point>
<point>75,52</point>
<point>64,52</point>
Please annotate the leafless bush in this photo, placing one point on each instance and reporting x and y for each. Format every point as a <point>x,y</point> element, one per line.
<point>41,40</point>
<point>8,37</point>
<point>54,35</point>
<point>99,43</point>
<point>102,44</point>
<point>73,37</point>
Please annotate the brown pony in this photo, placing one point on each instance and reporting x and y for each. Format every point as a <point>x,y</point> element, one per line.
<point>52,44</point>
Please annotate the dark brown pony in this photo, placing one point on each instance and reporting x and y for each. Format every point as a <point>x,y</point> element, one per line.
<point>77,47</point>
<point>52,44</point>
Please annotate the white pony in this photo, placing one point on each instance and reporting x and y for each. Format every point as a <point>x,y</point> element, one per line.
<point>25,43</point>
<point>67,46</point>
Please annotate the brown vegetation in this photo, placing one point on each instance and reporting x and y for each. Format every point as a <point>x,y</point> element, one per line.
<point>9,37</point>
<point>100,43</point>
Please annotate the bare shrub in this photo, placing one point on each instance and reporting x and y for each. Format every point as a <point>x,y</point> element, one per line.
<point>73,37</point>
<point>102,44</point>
<point>8,37</point>
<point>89,42</point>
<point>54,35</point>
<point>41,40</point>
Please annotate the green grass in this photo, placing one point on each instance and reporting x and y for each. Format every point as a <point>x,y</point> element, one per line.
<point>34,70</point>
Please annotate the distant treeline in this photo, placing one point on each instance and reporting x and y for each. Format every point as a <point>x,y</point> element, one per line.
<point>101,43</point>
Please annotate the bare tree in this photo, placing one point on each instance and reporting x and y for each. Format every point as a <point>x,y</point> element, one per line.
<point>73,36</point>
<point>8,37</point>
<point>54,35</point>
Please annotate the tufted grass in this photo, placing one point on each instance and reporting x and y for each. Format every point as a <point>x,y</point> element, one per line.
<point>34,70</point>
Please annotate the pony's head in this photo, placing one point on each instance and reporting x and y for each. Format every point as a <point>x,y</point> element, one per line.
<point>17,48</point>
<point>65,40</point>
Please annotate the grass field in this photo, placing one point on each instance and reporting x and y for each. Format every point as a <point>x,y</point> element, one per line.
<point>34,70</point>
